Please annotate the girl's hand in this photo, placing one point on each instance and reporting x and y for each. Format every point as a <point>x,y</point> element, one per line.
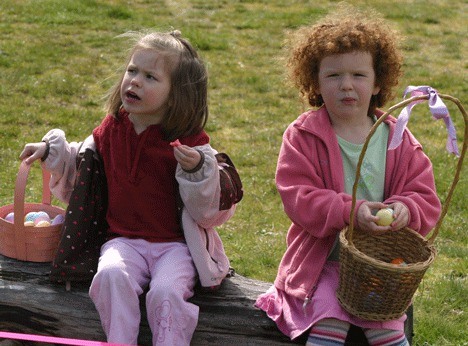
<point>33,151</point>
<point>366,220</point>
<point>187,157</point>
<point>400,214</point>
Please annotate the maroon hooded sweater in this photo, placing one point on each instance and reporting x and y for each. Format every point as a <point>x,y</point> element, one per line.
<point>140,171</point>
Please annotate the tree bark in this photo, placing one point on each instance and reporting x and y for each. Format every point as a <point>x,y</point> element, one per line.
<point>31,304</point>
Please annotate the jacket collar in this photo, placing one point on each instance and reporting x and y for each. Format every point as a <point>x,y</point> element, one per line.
<point>318,122</point>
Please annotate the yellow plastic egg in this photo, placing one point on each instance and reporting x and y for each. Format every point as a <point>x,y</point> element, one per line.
<point>385,217</point>
<point>43,223</point>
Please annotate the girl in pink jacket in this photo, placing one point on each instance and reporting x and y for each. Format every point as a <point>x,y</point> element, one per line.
<point>151,244</point>
<point>346,65</point>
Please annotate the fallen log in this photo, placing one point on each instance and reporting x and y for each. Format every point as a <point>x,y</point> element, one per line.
<point>31,304</point>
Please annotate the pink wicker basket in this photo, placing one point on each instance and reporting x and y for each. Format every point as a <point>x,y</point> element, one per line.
<point>29,243</point>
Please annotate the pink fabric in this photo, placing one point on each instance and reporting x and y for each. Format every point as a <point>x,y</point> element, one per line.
<point>330,330</point>
<point>293,318</point>
<point>376,337</point>
<point>310,181</point>
<point>200,192</point>
<point>126,268</point>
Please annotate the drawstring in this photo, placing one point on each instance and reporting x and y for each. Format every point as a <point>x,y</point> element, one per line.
<point>133,166</point>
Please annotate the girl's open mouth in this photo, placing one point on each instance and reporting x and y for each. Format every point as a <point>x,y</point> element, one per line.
<point>132,95</point>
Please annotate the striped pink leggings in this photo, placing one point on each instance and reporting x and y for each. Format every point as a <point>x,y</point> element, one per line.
<point>333,332</point>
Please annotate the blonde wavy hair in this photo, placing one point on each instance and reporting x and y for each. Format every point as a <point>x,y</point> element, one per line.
<point>343,31</point>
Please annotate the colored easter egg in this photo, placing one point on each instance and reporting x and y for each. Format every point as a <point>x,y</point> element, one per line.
<point>42,223</point>
<point>30,216</point>
<point>385,216</point>
<point>60,218</point>
<point>29,223</point>
<point>10,217</point>
<point>398,261</point>
<point>41,219</point>
<point>42,214</point>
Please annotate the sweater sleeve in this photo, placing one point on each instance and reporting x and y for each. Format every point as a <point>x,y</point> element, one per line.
<point>309,178</point>
<point>61,162</point>
<point>200,191</point>
<point>411,182</point>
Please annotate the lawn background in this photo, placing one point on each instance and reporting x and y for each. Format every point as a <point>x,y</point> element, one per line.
<point>59,57</point>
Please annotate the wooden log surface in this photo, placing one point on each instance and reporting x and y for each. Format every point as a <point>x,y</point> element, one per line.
<point>31,304</point>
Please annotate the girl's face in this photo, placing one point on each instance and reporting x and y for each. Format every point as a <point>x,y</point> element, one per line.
<point>146,86</point>
<point>346,84</point>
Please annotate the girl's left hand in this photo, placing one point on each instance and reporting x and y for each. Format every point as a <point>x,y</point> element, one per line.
<point>187,157</point>
<point>400,215</point>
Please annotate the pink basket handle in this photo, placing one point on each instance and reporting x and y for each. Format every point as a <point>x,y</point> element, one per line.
<point>19,201</point>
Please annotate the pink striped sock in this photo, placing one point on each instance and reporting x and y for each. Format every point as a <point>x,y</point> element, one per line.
<point>328,332</point>
<point>386,337</point>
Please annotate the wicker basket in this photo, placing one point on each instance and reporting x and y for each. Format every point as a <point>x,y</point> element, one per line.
<point>370,286</point>
<point>29,243</point>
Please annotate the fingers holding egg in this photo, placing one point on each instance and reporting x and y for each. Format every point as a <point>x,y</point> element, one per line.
<point>385,216</point>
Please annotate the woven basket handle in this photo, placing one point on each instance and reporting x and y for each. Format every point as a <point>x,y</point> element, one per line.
<point>19,200</point>
<point>457,172</point>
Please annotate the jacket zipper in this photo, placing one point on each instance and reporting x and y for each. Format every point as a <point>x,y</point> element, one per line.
<point>307,299</point>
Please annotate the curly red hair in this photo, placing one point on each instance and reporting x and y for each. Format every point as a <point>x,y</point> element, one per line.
<point>344,31</point>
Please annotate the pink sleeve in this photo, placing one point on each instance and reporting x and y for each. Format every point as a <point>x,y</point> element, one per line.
<point>310,182</point>
<point>200,192</point>
<point>410,180</point>
<point>61,162</point>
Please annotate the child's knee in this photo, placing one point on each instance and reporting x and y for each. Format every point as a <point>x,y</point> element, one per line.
<point>110,272</point>
<point>114,281</point>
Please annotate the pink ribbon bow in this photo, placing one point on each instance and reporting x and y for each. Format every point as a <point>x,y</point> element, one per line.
<point>439,111</point>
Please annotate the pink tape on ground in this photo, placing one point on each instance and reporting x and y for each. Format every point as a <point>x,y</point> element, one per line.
<point>53,339</point>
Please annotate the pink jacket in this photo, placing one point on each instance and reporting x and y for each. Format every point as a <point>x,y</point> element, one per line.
<point>310,180</point>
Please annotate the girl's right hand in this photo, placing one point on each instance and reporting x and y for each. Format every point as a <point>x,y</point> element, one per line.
<point>33,151</point>
<point>366,220</point>
<point>187,157</point>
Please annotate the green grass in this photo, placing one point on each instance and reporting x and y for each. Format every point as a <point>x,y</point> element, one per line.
<point>58,57</point>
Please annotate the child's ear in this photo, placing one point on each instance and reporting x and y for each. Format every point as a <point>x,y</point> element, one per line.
<point>376,90</point>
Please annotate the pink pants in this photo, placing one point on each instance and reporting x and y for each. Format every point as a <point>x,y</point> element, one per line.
<point>126,268</point>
